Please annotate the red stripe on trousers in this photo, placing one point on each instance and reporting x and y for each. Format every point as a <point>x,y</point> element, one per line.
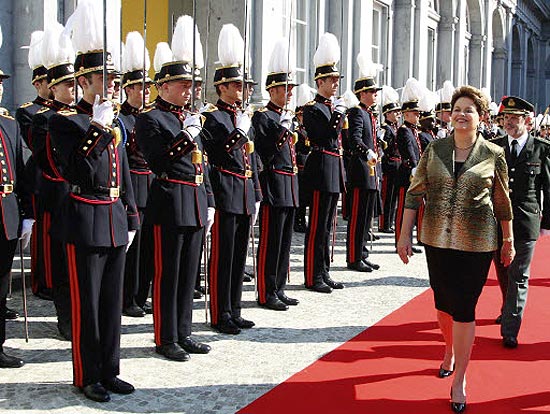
<point>381,217</point>
<point>75,313</point>
<point>314,213</point>
<point>157,277</point>
<point>353,225</point>
<point>214,258</point>
<point>263,254</point>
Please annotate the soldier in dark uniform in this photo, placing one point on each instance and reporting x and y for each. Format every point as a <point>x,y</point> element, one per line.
<point>426,130</point>
<point>528,160</point>
<point>179,209</point>
<point>41,274</point>
<point>390,163</point>
<point>15,217</point>
<point>363,171</point>
<point>410,148</point>
<point>324,169</point>
<point>274,142</point>
<point>136,96</point>
<point>99,215</point>
<point>234,179</point>
<point>302,151</point>
<point>53,188</point>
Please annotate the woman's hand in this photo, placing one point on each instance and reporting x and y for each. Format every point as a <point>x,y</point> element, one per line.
<point>404,248</point>
<point>507,253</point>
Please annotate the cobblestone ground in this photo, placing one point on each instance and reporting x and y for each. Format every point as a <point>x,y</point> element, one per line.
<point>239,368</point>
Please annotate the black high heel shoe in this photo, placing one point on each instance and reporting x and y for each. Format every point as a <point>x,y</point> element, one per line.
<point>457,407</point>
<point>444,373</point>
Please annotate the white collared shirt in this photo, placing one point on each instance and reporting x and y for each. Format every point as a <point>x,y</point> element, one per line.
<point>522,140</point>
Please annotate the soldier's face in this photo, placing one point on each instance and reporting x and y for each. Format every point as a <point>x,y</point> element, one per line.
<point>135,94</point>
<point>328,86</point>
<point>445,117</point>
<point>515,125</point>
<point>464,115</point>
<point>411,116</point>
<point>177,92</point>
<point>95,86</point>
<point>280,95</point>
<point>543,133</point>
<point>369,97</point>
<point>393,116</point>
<point>231,92</point>
<point>64,92</point>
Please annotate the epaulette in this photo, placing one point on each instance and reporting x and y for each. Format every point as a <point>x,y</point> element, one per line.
<point>148,109</point>
<point>68,112</point>
<point>263,109</point>
<point>542,140</point>
<point>210,108</point>
<point>4,111</point>
<point>8,116</point>
<point>26,104</point>
<point>310,103</point>
<point>42,110</point>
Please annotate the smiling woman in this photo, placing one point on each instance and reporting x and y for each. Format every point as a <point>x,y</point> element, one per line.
<point>456,176</point>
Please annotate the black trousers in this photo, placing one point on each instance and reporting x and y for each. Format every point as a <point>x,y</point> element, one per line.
<point>7,251</point>
<point>230,234</point>
<point>389,193</point>
<point>361,207</point>
<point>273,258</point>
<point>317,240</point>
<point>134,268</point>
<point>176,259</point>
<point>41,272</point>
<point>96,276</point>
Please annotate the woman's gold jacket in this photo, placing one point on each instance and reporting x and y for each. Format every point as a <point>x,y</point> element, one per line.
<point>462,213</point>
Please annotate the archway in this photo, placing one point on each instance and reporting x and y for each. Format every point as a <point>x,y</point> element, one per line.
<point>476,43</point>
<point>499,65</point>
<point>517,62</point>
<point>530,85</point>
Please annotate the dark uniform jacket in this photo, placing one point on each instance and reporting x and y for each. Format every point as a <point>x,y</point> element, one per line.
<point>14,195</point>
<point>180,193</point>
<point>392,158</point>
<point>273,142</point>
<point>529,180</point>
<point>140,172</point>
<point>302,146</point>
<point>425,137</point>
<point>408,143</point>
<point>233,172</point>
<point>324,167</point>
<point>100,208</point>
<point>53,187</point>
<point>362,137</point>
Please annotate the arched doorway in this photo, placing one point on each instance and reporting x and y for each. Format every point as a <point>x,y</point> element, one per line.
<point>517,63</point>
<point>499,65</point>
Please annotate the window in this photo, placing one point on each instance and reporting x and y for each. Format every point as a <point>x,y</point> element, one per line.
<point>379,42</point>
<point>430,75</point>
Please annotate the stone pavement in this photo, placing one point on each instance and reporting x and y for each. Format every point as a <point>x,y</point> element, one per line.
<point>239,368</point>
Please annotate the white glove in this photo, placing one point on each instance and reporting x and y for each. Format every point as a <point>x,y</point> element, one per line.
<point>26,231</point>
<point>286,119</point>
<point>103,113</point>
<point>256,213</point>
<point>243,122</point>
<point>192,125</point>
<point>131,236</point>
<point>371,155</point>
<point>441,133</point>
<point>211,213</point>
<point>413,172</point>
<point>544,232</point>
<point>341,105</point>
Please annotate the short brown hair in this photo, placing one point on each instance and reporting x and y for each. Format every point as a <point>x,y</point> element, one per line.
<point>467,91</point>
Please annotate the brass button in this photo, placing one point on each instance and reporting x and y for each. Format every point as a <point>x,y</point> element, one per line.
<point>89,141</point>
<point>84,148</point>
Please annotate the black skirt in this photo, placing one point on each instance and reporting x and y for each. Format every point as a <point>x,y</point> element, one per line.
<point>457,278</point>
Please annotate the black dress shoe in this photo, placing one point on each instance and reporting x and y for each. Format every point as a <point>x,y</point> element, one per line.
<point>444,373</point>
<point>359,266</point>
<point>285,299</point>
<point>133,311</point>
<point>416,249</point>
<point>321,287</point>
<point>333,284</point>
<point>371,264</point>
<point>65,330</point>
<point>173,352</point>
<point>247,276</point>
<point>118,386</point>
<point>372,236</point>
<point>274,303</point>
<point>510,342</point>
<point>11,314</point>
<point>227,327</point>
<point>45,294</point>
<point>387,231</point>
<point>197,294</point>
<point>457,407</point>
<point>147,308</point>
<point>194,347</point>
<point>96,392</point>
<point>300,228</point>
<point>201,289</point>
<point>498,320</point>
<point>7,361</point>
<point>243,323</point>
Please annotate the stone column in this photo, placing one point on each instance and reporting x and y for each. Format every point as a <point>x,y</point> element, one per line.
<point>498,73</point>
<point>403,41</point>
<point>477,46</point>
<point>445,49</point>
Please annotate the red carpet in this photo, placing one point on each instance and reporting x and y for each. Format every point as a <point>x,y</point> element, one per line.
<point>392,366</point>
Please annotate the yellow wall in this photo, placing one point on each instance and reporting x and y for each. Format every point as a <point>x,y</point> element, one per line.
<point>157,23</point>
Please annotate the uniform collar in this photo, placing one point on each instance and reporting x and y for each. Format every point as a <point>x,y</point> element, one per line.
<point>522,140</point>
<point>274,107</point>
<point>410,125</point>
<point>365,107</point>
<point>323,100</point>
<point>41,101</point>
<point>58,106</point>
<point>84,107</point>
<point>226,107</point>
<point>167,106</point>
<point>126,108</point>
